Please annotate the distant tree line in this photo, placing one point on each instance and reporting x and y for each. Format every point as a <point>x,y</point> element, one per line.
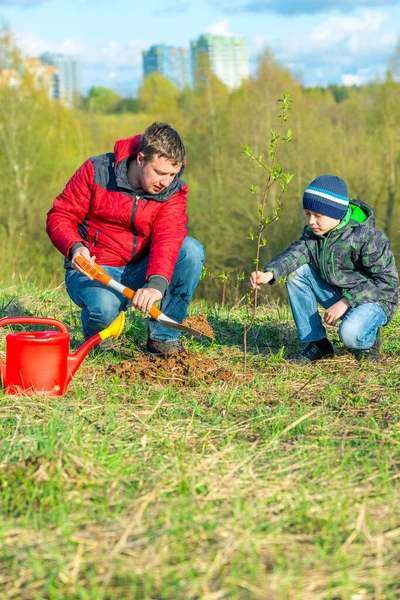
<point>101,100</point>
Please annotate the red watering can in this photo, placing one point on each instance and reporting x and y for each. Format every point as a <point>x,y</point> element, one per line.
<point>38,362</point>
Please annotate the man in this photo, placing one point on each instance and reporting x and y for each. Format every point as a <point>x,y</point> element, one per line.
<point>126,210</point>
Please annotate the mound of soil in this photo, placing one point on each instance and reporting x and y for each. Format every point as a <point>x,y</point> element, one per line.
<point>200,323</point>
<point>180,369</point>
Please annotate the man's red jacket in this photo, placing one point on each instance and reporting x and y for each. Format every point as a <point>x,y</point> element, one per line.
<point>119,225</point>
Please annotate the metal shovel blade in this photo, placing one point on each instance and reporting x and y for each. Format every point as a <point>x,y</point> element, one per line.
<point>167,322</point>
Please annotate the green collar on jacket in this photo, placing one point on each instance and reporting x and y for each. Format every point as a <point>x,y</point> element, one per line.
<point>353,213</point>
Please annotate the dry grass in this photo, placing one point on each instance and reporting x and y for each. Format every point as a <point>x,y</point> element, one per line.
<point>284,486</point>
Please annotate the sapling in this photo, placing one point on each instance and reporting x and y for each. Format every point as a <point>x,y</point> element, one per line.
<point>239,277</point>
<point>275,175</point>
<point>224,277</point>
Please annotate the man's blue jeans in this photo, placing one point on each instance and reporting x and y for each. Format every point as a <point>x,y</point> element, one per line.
<point>359,325</point>
<point>101,305</point>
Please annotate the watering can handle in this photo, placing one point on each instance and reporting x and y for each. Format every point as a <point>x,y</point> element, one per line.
<point>33,321</point>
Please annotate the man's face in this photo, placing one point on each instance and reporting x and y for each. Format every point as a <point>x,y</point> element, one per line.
<point>156,174</point>
<point>320,224</point>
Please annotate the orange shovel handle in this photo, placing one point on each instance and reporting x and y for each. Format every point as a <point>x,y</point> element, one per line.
<point>96,272</point>
<point>153,312</point>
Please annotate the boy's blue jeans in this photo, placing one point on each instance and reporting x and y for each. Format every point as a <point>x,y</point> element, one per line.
<point>359,325</point>
<point>101,305</point>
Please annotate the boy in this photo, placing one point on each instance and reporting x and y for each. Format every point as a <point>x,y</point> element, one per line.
<point>343,263</point>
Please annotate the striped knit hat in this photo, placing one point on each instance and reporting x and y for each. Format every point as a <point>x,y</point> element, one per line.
<point>327,195</point>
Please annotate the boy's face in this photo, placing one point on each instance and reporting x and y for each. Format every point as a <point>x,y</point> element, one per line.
<point>320,224</point>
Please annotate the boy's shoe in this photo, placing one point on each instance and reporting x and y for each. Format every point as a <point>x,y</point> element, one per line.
<point>314,351</point>
<point>371,354</point>
<point>163,348</point>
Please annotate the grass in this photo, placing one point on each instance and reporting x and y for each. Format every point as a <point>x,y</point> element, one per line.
<point>283,487</point>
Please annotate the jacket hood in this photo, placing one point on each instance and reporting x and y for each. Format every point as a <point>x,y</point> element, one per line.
<point>359,213</point>
<point>125,149</point>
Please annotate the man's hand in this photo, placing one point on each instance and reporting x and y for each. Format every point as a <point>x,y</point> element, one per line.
<point>259,277</point>
<point>144,299</point>
<point>336,311</point>
<point>81,251</point>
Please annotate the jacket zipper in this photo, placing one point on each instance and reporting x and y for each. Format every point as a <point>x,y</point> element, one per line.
<point>333,265</point>
<point>133,228</point>
<point>93,244</point>
<point>323,257</point>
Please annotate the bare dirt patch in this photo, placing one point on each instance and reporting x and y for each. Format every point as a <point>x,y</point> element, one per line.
<point>180,369</point>
<point>200,323</point>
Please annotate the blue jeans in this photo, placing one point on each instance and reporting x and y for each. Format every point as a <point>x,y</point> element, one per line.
<point>359,325</point>
<point>101,305</point>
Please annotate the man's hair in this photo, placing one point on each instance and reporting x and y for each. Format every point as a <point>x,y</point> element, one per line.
<point>163,140</point>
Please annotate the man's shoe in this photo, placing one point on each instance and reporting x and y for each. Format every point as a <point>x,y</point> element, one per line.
<point>104,347</point>
<point>163,348</point>
<point>371,354</point>
<point>314,351</point>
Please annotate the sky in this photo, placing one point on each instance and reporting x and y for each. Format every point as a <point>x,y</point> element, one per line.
<point>320,41</point>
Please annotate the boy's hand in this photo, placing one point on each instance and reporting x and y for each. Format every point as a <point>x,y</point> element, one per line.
<point>259,277</point>
<point>336,311</point>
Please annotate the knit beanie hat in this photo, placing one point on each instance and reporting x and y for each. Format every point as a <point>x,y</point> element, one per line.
<point>327,195</point>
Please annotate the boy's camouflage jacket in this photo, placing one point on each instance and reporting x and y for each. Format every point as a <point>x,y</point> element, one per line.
<point>355,257</point>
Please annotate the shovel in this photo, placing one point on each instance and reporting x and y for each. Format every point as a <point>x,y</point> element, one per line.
<point>96,272</point>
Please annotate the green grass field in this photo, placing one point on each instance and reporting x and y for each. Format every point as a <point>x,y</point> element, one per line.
<point>284,486</point>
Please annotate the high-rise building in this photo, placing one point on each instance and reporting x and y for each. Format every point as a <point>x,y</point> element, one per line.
<point>169,61</point>
<point>227,57</point>
<point>42,76</point>
<point>68,87</point>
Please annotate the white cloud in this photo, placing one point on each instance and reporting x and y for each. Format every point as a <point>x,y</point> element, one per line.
<point>338,33</point>
<point>332,38</point>
<point>112,54</point>
<point>338,28</point>
<point>31,45</point>
<point>339,45</point>
<point>297,7</point>
<point>351,80</point>
<point>342,42</point>
<point>360,76</point>
<point>356,78</point>
<point>260,41</point>
<point>221,28</point>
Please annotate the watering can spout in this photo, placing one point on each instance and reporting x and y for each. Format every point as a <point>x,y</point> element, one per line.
<point>113,330</point>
